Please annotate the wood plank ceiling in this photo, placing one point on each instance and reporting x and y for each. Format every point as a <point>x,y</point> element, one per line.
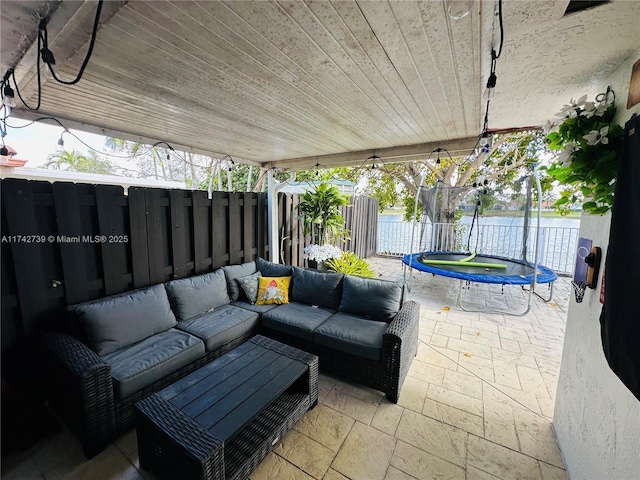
<point>293,83</point>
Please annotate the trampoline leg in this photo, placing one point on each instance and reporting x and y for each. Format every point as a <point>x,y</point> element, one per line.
<point>546,300</point>
<point>489,310</point>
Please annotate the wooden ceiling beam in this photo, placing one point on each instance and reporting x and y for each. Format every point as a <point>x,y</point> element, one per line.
<point>456,148</point>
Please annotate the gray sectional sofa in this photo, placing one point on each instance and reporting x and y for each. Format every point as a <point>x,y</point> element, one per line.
<point>117,350</point>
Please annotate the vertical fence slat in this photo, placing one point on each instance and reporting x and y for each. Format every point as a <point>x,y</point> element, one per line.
<point>261,222</point>
<point>218,230</point>
<point>113,251</point>
<point>285,239</point>
<point>178,234</point>
<point>200,231</point>
<point>234,229</point>
<point>156,236</point>
<point>296,256</point>
<point>138,236</point>
<point>19,207</point>
<point>67,204</point>
<point>247,227</point>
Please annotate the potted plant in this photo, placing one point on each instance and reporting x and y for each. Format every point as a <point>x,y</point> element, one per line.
<point>587,140</point>
<point>320,211</point>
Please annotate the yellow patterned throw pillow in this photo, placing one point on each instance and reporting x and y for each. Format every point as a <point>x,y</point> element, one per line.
<point>273,290</point>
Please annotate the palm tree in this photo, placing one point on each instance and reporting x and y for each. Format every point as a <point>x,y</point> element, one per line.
<point>74,161</point>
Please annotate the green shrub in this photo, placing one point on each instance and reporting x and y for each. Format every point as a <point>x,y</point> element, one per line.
<point>351,264</point>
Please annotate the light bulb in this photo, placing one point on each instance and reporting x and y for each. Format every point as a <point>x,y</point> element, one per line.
<point>458,9</point>
<point>488,94</point>
<point>8,97</point>
<point>9,102</point>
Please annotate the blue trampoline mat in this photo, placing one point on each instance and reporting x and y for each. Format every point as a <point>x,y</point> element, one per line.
<point>516,273</point>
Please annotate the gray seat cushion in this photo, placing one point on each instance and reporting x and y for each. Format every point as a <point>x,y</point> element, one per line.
<point>371,298</point>
<point>296,319</point>
<point>221,326</point>
<point>260,309</point>
<point>138,365</point>
<point>115,322</point>
<point>352,334</point>
<point>233,273</point>
<point>196,295</point>
<point>317,288</point>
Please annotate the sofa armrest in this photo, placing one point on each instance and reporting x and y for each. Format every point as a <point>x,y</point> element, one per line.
<point>81,386</point>
<point>399,346</point>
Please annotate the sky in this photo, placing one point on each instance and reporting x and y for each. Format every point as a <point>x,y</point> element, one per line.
<point>38,140</point>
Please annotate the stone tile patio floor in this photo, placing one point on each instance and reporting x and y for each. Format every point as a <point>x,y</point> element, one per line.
<point>477,404</point>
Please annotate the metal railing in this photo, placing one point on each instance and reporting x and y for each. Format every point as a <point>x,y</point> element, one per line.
<point>557,249</point>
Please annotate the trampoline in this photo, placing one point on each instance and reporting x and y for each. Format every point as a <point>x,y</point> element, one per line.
<point>508,271</point>
<point>482,268</point>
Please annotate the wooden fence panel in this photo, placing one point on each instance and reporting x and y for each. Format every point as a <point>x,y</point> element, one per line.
<point>262,236</point>
<point>219,215</point>
<point>297,233</point>
<point>234,230</point>
<point>247,228</point>
<point>138,236</point>
<point>361,218</point>
<point>70,231</point>
<point>20,213</point>
<point>157,234</point>
<point>169,234</point>
<point>178,234</point>
<point>201,231</point>
<point>115,244</point>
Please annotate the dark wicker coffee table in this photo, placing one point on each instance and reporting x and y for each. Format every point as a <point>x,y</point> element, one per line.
<point>220,421</point>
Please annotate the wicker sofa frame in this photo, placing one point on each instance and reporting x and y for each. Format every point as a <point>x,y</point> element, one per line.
<point>399,347</point>
<point>84,390</point>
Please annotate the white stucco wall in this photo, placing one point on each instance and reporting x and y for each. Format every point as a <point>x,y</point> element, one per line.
<point>597,419</point>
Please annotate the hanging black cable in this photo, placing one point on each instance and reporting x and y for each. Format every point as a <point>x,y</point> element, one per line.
<point>476,213</point>
<point>497,55</point>
<point>47,55</point>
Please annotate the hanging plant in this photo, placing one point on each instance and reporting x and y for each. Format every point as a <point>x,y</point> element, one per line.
<point>587,141</point>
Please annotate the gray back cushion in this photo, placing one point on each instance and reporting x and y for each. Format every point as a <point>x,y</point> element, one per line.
<point>115,322</point>
<point>270,269</point>
<point>317,288</point>
<point>233,273</point>
<point>196,295</point>
<point>371,298</point>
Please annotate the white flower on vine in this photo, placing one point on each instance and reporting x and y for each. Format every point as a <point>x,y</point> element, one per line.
<point>566,153</point>
<point>572,110</point>
<point>550,127</point>
<point>589,109</point>
<point>594,137</point>
<point>592,109</point>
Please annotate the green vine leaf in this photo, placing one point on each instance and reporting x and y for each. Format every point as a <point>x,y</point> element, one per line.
<point>588,143</point>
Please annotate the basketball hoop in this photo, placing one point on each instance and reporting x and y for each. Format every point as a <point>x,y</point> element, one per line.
<point>579,289</point>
